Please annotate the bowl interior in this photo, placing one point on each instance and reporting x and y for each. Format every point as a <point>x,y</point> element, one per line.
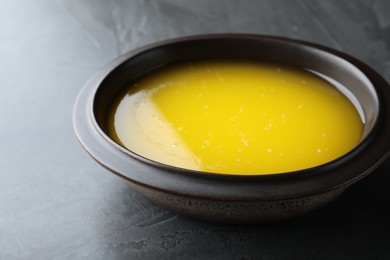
<point>341,73</point>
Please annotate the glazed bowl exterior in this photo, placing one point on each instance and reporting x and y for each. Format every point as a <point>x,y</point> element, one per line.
<point>236,198</point>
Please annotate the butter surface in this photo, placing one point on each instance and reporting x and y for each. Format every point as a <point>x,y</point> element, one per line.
<point>235,117</point>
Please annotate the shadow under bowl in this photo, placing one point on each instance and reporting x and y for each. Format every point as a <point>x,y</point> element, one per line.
<point>236,198</point>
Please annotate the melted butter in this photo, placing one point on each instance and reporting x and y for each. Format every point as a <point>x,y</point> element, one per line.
<point>235,117</point>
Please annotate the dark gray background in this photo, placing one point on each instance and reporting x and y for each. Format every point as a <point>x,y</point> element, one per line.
<point>57,203</point>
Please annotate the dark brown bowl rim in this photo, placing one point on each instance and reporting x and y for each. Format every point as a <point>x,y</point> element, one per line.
<point>350,167</point>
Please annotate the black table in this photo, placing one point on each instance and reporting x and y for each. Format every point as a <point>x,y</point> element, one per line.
<point>57,203</point>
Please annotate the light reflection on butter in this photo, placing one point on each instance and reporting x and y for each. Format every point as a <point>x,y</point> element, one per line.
<point>161,143</point>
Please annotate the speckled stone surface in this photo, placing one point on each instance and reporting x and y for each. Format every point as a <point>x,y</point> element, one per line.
<point>57,203</point>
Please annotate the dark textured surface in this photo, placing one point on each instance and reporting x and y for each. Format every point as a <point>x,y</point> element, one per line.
<point>57,203</point>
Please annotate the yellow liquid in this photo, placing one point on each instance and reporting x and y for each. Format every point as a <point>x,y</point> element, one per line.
<point>235,117</point>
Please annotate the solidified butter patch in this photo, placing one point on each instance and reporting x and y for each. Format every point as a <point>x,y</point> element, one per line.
<point>235,117</point>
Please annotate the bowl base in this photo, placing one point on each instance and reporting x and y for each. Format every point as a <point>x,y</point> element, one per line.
<point>236,212</point>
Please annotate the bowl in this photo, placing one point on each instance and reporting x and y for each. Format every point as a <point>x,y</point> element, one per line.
<point>236,198</point>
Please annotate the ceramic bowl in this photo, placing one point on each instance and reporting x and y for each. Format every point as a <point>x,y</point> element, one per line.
<point>234,198</point>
